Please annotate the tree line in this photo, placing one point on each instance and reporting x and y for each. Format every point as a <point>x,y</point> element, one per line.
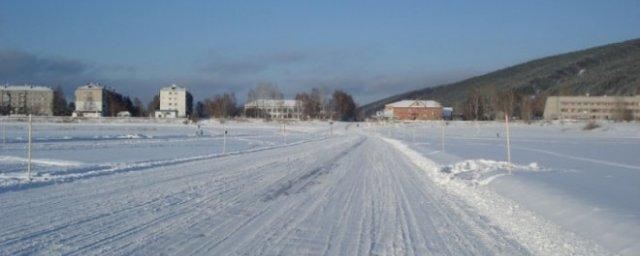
<point>525,104</point>
<point>491,103</point>
<point>315,104</point>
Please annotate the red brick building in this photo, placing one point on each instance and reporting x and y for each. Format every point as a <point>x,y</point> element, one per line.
<point>415,110</point>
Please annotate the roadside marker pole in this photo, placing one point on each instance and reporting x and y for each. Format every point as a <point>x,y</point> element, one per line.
<point>224,141</point>
<point>2,123</point>
<point>284,133</point>
<point>29,151</point>
<point>442,136</point>
<point>506,122</point>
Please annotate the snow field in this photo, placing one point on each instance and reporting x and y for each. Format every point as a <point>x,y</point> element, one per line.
<point>585,182</point>
<point>64,152</point>
<point>538,235</point>
<point>349,194</point>
<point>149,189</point>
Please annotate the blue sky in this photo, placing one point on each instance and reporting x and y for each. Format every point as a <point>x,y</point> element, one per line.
<point>372,49</point>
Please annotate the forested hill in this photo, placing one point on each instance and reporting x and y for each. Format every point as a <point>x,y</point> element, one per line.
<point>612,69</point>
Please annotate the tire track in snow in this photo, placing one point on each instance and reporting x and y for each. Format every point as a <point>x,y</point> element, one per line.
<point>133,209</point>
<point>108,169</point>
<point>281,218</point>
<point>368,199</point>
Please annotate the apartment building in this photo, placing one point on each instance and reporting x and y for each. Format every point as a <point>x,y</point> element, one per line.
<point>26,99</point>
<point>592,107</point>
<point>91,101</point>
<point>175,102</point>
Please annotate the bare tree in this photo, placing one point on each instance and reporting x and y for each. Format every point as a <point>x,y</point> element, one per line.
<point>222,105</point>
<point>311,103</point>
<point>506,101</point>
<point>474,106</point>
<point>138,108</point>
<point>264,91</point>
<point>621,111</point>
<point>526,107</point>
<point>317,104</point>
<point>302,100</point>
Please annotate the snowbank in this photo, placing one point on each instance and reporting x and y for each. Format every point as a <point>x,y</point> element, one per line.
<point>537,234</point>
<point>480,172</point>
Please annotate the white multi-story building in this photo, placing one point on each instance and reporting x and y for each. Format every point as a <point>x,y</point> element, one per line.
<point>91,101</point>
<point>26,99</point>
<point>175,102</point>
<point>276,109</point>
<point>592,107</point>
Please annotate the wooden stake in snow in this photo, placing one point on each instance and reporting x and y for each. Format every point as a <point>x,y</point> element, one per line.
<point>3,134</point>
<point>284,133</point>
<point>442,133</point>
<point>29,151</point>
<point>506,123</point>
<point>224,141</point>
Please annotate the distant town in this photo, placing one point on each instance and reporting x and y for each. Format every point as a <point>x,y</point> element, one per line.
<point>265,101</point>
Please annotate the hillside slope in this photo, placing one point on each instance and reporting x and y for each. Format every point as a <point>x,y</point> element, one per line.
<point>612,69</point>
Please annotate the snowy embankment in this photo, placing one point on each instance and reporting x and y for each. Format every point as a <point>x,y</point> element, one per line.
<point>585,182</point>
<point>538,235</point>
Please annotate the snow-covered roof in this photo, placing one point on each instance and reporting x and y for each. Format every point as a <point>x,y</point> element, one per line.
<point>414,103</point>
<point>271,103</point>
<point>24,88</point>
<point>91,86</point>
<point>173,87</point>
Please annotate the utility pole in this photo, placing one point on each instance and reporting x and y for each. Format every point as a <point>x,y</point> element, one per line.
<point>29,151</point>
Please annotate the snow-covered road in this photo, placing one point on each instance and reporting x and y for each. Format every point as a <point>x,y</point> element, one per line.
<point>347,195</point>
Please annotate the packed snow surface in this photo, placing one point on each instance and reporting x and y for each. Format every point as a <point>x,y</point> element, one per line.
<point>306,188</point>
<point>584,181</point>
